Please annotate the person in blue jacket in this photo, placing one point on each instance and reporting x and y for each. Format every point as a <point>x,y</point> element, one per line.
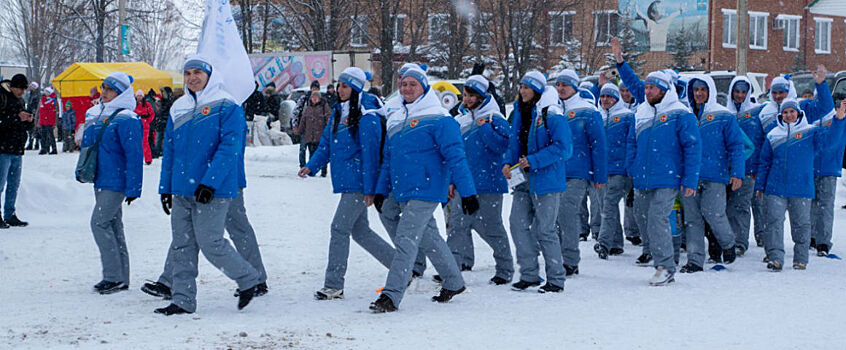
<point>485,132</point>
<point>351,142</point>
<point>723,163</point>
<point>740,201</point>
<point>663,156</point>
<point>827,165</point>
<point>423,152</point>
<point>118,175</point>
<point>241,233</point>
<point>199,180</point>
<point>786,179</point>
<point>628,76</point>
<point>617,120</point>
<point>782,88</point>
<point>591,206</point>
<point>540,145</point>
<point>586,167</point>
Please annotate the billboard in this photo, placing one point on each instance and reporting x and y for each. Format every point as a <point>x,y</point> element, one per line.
<point>658,24</point>
<point>290,71</point>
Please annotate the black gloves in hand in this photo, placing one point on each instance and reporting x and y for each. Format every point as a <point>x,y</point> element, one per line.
<point>167,202</point>
<point>130,199</point>
<point>469,205</point>
<point>204,194</point>
<point>378,200</point>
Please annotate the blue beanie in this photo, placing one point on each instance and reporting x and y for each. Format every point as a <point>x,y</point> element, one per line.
<point>478,84</point>
<point>789,103</point>
<point>741,86</point>
<point>534,80</point>
<point>659,80</point>
<point>198,62</point>
<point>699,83</point>
<point>611,90</point>
<point>355,78</point>
<point>569,77</point>
<point>119,82</point>
<point>418,74</point>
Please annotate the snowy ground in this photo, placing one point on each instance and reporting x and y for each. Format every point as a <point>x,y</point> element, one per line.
<point>48,268</point>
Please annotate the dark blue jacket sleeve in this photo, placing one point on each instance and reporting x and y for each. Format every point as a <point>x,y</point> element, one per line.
<point>631,147</point>
<point>451,146</point>
<point>830,140</point>
<point>735,141</point>
<point>496,134</point>
<point>370,136</point>
<point>598,149</point>
<point>383,185</point>
<point>764,164</point>
<point>225,158</point>
<point>688,134</point>
<point>632,82</point>
<point>561,147</point>
<point>818,107</point>
<point>513,150</point>
<point>131,136</point>
<point>166,174</point>
<point>320,158</point>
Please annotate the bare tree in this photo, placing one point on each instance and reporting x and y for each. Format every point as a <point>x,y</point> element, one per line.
<point>416,27</point>
<point>157,33</point>
<point>385,23</point>
<point>29,27</point>
<point>318,25</point>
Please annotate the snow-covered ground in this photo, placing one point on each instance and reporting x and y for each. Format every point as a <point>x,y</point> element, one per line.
<point>48,268</point>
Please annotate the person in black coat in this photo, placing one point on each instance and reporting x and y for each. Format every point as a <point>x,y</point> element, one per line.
<point>14,123</point>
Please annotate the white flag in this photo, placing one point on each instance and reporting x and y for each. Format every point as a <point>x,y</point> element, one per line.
<point>221,43</point>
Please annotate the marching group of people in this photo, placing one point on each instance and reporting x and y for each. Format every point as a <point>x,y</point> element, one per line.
<point>664,142</point>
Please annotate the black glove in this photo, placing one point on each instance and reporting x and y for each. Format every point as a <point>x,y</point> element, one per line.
<point>130,199</point>
<point>204,194</point>
<point>167,202</point>
<point>378,200</point>
<point>469,205</point>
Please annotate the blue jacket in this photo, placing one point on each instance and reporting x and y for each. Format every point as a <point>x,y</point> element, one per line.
<point>786,168</point>
<point>632,82</point>
<point>485,144</point>
<point>828,161</point>
<point>618,120</point>
<point>120,156</point>
<point>354,157</point>
<point>722,140</point>
<point>204,144</point>
<point>69,119</point>
<point>589,144</point>
<point>748,117</point>
<point>664,147</point>
<point>550,145</point>
<point>242,174</point>
<point>423,152</point>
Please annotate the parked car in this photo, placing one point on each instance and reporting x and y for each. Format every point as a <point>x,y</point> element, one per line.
<point>723,78</point>
<point>804,81</point>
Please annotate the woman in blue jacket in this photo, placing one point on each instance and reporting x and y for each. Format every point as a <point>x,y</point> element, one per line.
<point>351,143</point>
<point>423,151</point>
<point>118,175</point>
<point>540,145</point>
<point>786,179</point>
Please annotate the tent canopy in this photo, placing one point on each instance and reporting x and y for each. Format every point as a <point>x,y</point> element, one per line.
<point>80,77</point>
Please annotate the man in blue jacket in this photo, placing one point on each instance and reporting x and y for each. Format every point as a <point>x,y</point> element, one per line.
<point>740,201</point>
<point>663,157</point>
<point>587,166</point>
<point>118,175</point>
<point>485,132</point>
<point>617,120</point>
<point>722,164</point>
<point>423,151</point>
<point>199,180</point>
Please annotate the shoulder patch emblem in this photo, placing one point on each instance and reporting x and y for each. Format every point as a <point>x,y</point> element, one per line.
<point>798,135</point>
<point>346,120</point>
<point>662,118</point>
<point>539,121</point>
<point>413,123</point>
<point>572,114</point>
<point>206,110</point>
<point>616,119</point>
<point>747,115</point>
<point>828,124</point>
<point>709,117</point>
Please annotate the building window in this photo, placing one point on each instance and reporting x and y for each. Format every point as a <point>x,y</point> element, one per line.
<point>358,31</point>
<point>604,26</point>
<point>729,29</point>
<point>399,28</point>
<point>758,30</point>
<point>561,27</point>
<point>438,28</point>
<point>822,35</point>
<point>790,25</point>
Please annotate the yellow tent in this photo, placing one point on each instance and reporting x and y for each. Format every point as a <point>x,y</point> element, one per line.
<point>177,78</point>
<point>80,77</point>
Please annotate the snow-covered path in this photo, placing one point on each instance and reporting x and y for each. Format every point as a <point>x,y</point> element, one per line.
<point>48,268</point>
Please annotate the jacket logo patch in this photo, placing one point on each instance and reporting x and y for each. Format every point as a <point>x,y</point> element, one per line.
<point>539,121</point>
<point>828,124</point>
<point>798,135</point>
<point>413,123</point>
<point>662,118</point>
<point>206,110</point>
<point>616,119</point>
<point>572,114</point>
<point>709,117</point>
<point>346,120</point>
<point>480,121</point>
<point>747,115</point>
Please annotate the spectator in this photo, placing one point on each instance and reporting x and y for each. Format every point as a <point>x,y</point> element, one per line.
<point>331,95</point>
<point>14,123</point>
<point>312,122</point>
<point>271,103</point>
<point>32,100</point>
<point>47,121</point>
<point>144,110</point>
<point>254,104</point>
<point>295,119</point>
<point>68,126</point>
<point>160,122</point>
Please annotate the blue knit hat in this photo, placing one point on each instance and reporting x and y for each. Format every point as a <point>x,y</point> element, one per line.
<point>355,78</point>
<point>119,82</point>
<point>611,90</point>
<point>569,77</point>
<point>741,86</point>
<point>659,80</point>
<point>478,84</point>
<point>789,103</point>
<point>418,74</point>
<point>534,80</point>
<point>197,62</point>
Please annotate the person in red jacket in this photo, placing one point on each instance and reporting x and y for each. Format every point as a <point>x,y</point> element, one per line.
<point>46,121</point>
<point>145,111</point>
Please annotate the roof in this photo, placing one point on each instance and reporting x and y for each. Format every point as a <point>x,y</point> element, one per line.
<point>80,77</point>
<point>828,7</point>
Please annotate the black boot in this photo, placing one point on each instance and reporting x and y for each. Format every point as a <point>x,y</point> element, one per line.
<point>3,224</point>
<point>14,221</point>
<point>644,259</point>
<point>601,251</point>
<point>571,270</point>
<point>729,255</point>
<point>261,289</point>
<point>446,294</point>
<point>383,304</point>
<point>157,289</point>
<point>550,288</point>
<point>522,285</point>
<point>822,250</point>
<point>172,309</point>
<point>496,280</point>
<point>108,287</point>
<point>636,241</point>
<point>245,296</point>
<point>616,251</point>
<point>690,268</point>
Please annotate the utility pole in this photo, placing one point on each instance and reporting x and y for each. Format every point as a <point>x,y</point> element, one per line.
<point>124,30</point>
<point>742,35</point>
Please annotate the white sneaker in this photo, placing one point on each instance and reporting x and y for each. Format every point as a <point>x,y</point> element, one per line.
<point>329,294</point>
<point>662,277</point>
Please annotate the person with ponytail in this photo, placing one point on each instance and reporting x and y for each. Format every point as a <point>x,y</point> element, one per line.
<point>351,142</point>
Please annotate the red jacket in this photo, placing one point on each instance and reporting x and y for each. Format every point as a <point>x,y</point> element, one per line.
<point>145,111</point>
<point>47,110</point>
